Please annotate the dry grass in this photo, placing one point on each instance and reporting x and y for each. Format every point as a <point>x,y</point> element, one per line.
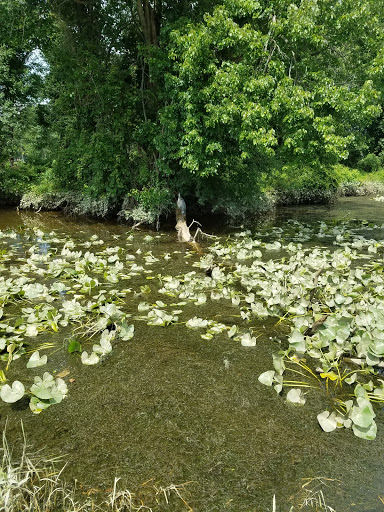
<point>314,496</point>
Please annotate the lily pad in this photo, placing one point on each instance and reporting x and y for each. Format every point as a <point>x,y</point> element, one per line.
<point>362,414</point>
<point>126,331</point>
<point>295,396</point>
<point>327,421</point>
<point>35,360</point>
<point>196,323</point>
<point>89,359</point>
<point>12,394</point>
<point>368,433</point>
<point>266,378</point>
<point>247,340</point>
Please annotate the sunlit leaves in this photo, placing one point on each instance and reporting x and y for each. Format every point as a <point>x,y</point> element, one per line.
<point>295,396</point>
<point>35,360</point>
<point>74,346</point>
<point>104,347</point>
<point>89,359</point>
<point>362,414</point>
<point>297,341</point>
<point>196,323</point>
<point>12,394</point>
<point>327,421</point>
<point>324,303</point>
<point>266,378</point>
<point>247,340</point>
<point>46,391</point>
<point>126,331</point>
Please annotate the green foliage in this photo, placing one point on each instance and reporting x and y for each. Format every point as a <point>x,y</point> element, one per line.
<point>150,198</point>
<point>95,101</point>
<point>15,179</point>
<point>253,90</point>
<point>228,100</point>
<point>24,27</point>
<point>370,163</point>
<point>303,183</point>
<point>145,205</point>
<point>74,346</point>
<point>343,174</point>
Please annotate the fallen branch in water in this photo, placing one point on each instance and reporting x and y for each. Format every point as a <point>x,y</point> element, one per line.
<point>315,282</point>
<point>183,231</point>
<point>311,330</point>
<point>137,224</point>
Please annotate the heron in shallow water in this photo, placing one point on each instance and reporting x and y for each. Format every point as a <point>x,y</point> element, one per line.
<point>181,205</point>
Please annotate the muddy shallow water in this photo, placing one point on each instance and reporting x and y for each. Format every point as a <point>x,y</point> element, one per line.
<point>168,407</point>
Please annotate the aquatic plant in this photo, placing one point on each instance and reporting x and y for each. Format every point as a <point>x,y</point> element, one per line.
<point>35,483</point>
<point>327,299</point>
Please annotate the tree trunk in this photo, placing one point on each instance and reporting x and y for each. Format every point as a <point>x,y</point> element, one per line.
<point>150,20</point>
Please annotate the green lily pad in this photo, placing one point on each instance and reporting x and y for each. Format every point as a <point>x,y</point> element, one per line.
<point>266,378</point>
<point>126,331</point>
<point>327,421</point>
<point>368,433</point>
<point>12,394</point>
<point>35,360</point>
<point>196,323</point>
<point>295,396</point>
<point>74,346</point>
<point>89,359</point>
<point>247,340</point>
<point>362,414</point>
<point>297,341</point>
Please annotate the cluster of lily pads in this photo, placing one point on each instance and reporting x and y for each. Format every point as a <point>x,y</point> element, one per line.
<point>323,283</point>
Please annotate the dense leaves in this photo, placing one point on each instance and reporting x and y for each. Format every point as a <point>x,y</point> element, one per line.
<point>221,100</point>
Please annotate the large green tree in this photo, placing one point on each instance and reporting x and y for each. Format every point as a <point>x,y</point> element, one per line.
<point>219,99</point>
<point>24,27</point>
<point>262,89</point>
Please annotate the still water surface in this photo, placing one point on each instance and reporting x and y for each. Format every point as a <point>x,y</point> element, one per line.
<point>164,408</point>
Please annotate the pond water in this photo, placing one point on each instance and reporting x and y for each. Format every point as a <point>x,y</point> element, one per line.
<point>167,406</point>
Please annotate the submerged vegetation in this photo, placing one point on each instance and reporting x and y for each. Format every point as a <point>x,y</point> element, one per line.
<point>312,292</point>
<point>33,483</point>
<point>328,299</point>
<point>117,106</point>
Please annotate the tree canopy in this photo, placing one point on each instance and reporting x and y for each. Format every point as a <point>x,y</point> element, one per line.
<point>222,99</point>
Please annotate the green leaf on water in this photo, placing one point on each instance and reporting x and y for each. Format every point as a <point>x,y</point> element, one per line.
<point>295,396</point>
<point>37,406</point>
<point>368,433</point>
<point>327,421</point>
<point>196,323</point>
<point>126,331</point>
<point>105,346</point>
<point>297,341</point>
<point>35,360</point>
<point>12,394</point>
<point>278,363</point>
<point>266,378</point>
<point>247,340</point>
<point>74,346</point>
<point>232,331</point>
<point>31,330</point>
<point>89,359</point>
<point>362,414</point>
